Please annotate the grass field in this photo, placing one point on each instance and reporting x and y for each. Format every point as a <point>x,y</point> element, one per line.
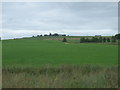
<point>0,64</point>
<point>33,62</point>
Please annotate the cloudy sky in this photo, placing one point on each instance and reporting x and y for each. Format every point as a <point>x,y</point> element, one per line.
<point>22,19</point>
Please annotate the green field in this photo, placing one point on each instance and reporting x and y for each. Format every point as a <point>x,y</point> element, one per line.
<point>29,52</point>
<point>58,59</point>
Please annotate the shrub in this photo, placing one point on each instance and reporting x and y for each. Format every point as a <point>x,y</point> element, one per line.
<point>64,40</point>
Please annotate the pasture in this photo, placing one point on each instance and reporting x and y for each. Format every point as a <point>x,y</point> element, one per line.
<point>34,61</point>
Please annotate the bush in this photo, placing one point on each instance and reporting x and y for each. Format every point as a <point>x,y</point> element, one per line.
<point>117,36</point>
<point>64,40</point>
<point>82,40</point>
<point>113,39</point>
<point>108,39</point>
<point>104,39</point>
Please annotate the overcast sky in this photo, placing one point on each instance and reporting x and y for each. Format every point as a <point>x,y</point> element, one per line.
<point>22,19</point>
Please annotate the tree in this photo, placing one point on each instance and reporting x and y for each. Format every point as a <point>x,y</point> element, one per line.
<point>45,35</point>
<point>50,34</point>
<point>37,35</point>
<point>82,40</point>
<point>100,39</point>
<point>117,36</point>
<point>87,40</point>
<point>41,35</point>
<point>64,40</point>
<point>64,35</point>
<point>113,39</point>
<point>93,39</point>
<point>104,39</point>
<point>96,39</point>
<point>108,39</point>
<point>55,34</point>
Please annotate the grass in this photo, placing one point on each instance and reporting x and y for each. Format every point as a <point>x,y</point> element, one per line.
<point>39,52</point>
<point>0,64</point>
<point>49,63</point>
<point>64,76</point>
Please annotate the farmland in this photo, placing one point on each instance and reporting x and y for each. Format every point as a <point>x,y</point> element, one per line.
<point>31,62</point>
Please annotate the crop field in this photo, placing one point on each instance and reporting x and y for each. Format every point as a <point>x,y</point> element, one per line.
<point>50,63</point>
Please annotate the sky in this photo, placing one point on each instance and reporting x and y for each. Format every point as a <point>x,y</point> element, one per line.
<point>25,19</point>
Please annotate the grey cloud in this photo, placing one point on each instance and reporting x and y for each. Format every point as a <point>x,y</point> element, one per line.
<point>60,16</point>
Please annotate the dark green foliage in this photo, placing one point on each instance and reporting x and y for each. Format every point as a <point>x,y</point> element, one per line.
<point>46,35</point>
<point>50,34</point>
<point>113,39</point>
<point>82,40</point>
<point>100,39</point>
<point>93,39</point>
<point>87,40</point>
<point>108,39</point>
<point>117,36</point>
<point>104,39</point>
<point>64,35</point>
<point>55,34</point>
<point>96,39</point>
<point>64,40</point>
<point>41,35</point>
<point>38,35</point>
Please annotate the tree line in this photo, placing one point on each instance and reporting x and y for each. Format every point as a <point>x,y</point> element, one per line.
<point>50,34</point>
<point>97,39</point>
